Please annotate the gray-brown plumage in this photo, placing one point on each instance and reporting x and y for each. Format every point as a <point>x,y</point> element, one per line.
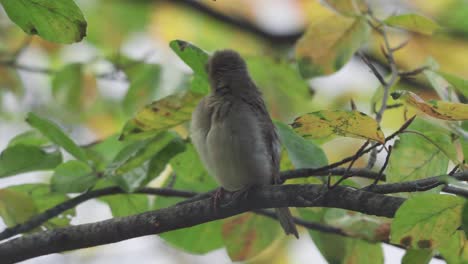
<point>234,134</point>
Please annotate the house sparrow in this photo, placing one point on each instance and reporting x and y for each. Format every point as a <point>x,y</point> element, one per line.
<point>233,133</point>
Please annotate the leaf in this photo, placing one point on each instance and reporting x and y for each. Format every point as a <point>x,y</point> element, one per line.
<point>104,152</point>
<point>159,162</point>
<point>414,157</point>
<point>11,81</point>
<point>161,115</point>
<point>326,123</point>
<point>435,80</point>
<point>191,175</point>
<point>129,170</point>
<point>56,135</point>
<point>15,207</point>
<point>347,7</point>
<point>357,225</point>
<point>44,199</point>
<point>193,56</point>
<point>73,177</point>
<point>247,235</point>
<point>438,109</point>
<point>465,219</point>
<point>413,22</point>
<point>327,45</point>
<point>30,138</point>
<point>144,81</point>
<point>457,83</point>
<point>464,141</point>
<point>126,204</point>
<point>422,256</point>
<point>302,153</point>
<point>56,21</point>
<point>426,221</point>
<point>339,249</point>
<point>67,85</point>
<point>282,86</point>
<point>455,250</point>
<point>22,158</point>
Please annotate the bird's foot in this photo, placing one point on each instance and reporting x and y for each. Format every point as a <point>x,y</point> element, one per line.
<point>217,195</point>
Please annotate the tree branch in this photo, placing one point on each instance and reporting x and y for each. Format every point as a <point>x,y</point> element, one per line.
<point>194,213</point>
<point>62,207</point>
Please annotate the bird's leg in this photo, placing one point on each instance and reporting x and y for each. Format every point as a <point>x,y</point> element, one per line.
<point>241,194</point>
<point>217,195</point>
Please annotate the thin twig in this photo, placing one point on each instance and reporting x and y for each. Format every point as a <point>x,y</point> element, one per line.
<point>346,175</point>
<point>389,152</point>
<point>413,72</point>
<point>373,69</point>
<point>388,53</point>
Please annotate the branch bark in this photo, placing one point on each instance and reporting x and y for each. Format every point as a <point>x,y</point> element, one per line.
<point>194,213</point>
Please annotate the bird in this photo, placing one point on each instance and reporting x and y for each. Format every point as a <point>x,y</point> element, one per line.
<point>233,133</point>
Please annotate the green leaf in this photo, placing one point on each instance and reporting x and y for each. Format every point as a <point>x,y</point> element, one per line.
<point>357,225</point>
<point>194,176</point>
<point>15,207</point>
<point>126,204</point>
<point>247,235</point>
<point>302,153</point>
<point>422,256</point>
<point>56,135</point>
<point>426,221</point>
<point>464,141</point>
<point>282,86</point>
<point>73,176</point>
<point>30,138</point>
<point>161,115</point>
<point>457,83</point>
<point>22,158</point>
<point>102,153</point>
<point>326,123</point>
<point>144,81</point>
<point>455,250</point>
<point>45,199</point>
<point>191,175</point>
<point>56,21</point>
<point>159,162</point>
<point>431,159</point>
<point>67,86</point>
<point>465,219</point>
<point>328,44</point>
<point>129,170</point>
<point>414,23</point>
<point>339,249</point>
<point>193,56</point>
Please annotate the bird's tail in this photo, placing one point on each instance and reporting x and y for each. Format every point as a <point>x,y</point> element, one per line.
<point>286,220</point>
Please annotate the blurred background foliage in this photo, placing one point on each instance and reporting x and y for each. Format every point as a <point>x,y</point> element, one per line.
<point>125,62</point>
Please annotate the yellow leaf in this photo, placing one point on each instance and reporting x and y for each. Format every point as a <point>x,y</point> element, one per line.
<point>326,123</point>
<point>161,115</point>
<point>438,109</point>
<point>347,7</point>
<point>328,44</point>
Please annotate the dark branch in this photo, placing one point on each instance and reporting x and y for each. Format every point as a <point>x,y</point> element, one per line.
<point>62,207</point>
<point>190,214</point>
